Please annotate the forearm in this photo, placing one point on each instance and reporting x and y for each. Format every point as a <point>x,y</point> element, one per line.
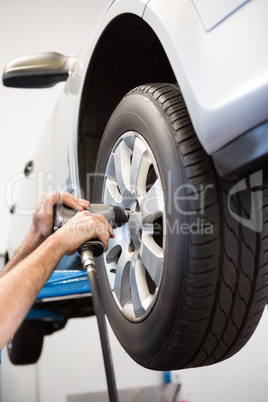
<point>42,224</point>
<point>31,242</point>
<point>24,283</point>
<point>20,286</point>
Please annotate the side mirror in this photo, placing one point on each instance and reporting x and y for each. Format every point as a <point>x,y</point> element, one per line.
<point>42,70</point>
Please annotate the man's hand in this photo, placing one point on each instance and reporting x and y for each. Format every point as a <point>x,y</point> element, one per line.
<point>42,223</point>
<point>82,227</point>
<point>27,272</point>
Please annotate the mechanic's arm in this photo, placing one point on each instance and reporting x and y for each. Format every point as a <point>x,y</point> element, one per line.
<point>20,286</point>
<point>42,223</point>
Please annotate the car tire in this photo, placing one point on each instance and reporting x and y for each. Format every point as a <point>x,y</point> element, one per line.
<point>184,282</point>
<point>26,345</point>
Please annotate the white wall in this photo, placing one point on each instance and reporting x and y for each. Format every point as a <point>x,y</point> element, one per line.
<point>71,361</point>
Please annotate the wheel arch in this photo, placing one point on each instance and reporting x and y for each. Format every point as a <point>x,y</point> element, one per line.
<point>127,54</point>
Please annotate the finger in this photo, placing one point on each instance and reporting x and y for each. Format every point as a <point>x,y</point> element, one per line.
<point>85,226</point>
<point>73,202</point>
<point>49,201</point>
<point>83,203</point>
<point>40,201</point>
<point>102,233</point>
<point>103,220</point>
<point>95,224</point>
<point>97,219</point>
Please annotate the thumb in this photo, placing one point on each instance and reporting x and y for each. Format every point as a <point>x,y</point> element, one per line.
<point>49,202</point>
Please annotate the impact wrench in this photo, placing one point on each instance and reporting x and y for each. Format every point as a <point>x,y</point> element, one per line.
<point>116,217</point>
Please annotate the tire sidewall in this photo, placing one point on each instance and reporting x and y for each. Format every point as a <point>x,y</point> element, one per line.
<point>141,113</point>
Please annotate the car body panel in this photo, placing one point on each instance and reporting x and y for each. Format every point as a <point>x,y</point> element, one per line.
<point>224,86</point>
<point>212,12</point>
<point>223,74</point>
<point>51,172</point>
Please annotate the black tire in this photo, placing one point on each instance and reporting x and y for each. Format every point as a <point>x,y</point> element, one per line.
<point>213,285</point>
<point>26,345</point>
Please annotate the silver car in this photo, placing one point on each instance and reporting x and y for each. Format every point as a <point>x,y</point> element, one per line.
<point>164,112</point>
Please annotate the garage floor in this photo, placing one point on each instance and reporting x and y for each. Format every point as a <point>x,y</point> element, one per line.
<point>167,393</point>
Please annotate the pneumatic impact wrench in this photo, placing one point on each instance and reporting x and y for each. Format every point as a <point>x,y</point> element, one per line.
<point>116,217</point>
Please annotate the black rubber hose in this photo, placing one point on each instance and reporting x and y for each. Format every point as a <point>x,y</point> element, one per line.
<point>99,311</point>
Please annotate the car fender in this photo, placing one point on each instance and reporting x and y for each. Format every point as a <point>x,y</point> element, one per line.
<point>75,83</point>
<point>223,72</point>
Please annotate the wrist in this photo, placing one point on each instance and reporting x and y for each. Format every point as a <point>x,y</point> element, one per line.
<point>58,242</point>
<point>49,253</point>
<point>34,237</point>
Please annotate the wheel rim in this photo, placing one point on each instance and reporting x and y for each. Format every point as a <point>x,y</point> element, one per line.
<point>135,257</point>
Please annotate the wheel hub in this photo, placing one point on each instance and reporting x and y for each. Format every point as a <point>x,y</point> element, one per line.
<point>135,229</point>
<point>135,257</point>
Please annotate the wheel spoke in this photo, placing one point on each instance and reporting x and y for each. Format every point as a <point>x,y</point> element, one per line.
<point>111,193</point>
<point>152,204</point>
<point>141,297</point>
<point>113,247</point>
<point>152,256</point>
<point>140,164</point>
<point>120,240</point>
<point>121,281</point>
<point>122,158</point>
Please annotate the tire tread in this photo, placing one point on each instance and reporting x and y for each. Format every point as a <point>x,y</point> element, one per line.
<point>227,281</point>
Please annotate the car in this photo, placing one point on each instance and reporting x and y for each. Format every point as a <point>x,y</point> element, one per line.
<point>164,113</point>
